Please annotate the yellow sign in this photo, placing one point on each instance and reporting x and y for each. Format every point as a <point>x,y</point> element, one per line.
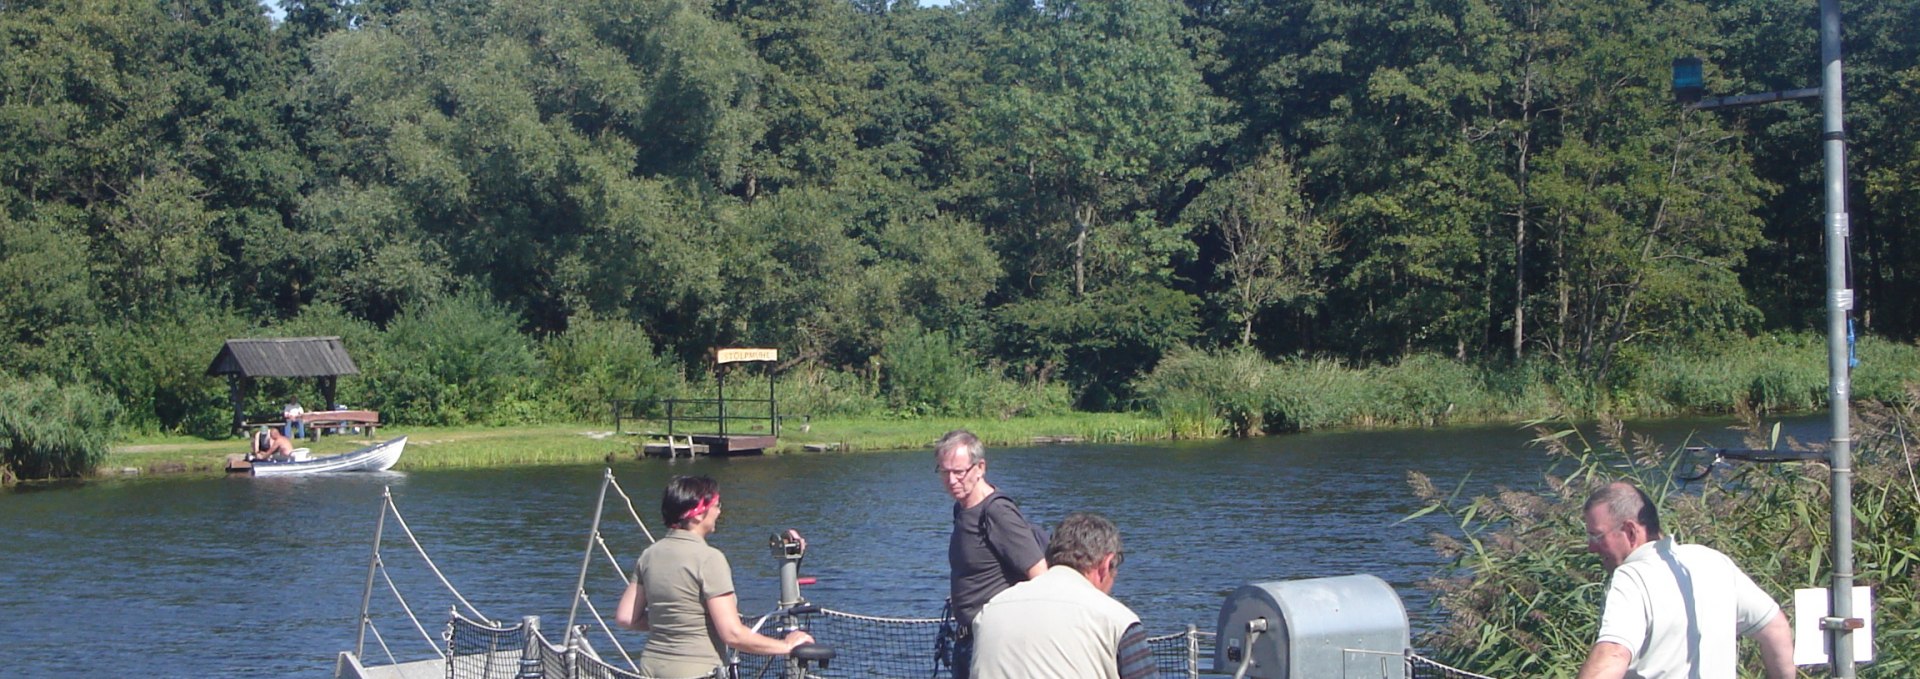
<point>737,355</point>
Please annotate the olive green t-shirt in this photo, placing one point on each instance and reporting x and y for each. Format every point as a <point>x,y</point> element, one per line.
<point>680,573</point>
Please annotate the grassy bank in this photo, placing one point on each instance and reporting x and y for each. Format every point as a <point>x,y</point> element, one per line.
<point>585,443</point>
<point>1193,395</point>
<point>893,434</point>
<point>427,448</point>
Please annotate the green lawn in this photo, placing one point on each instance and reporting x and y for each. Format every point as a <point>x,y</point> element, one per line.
<point>582,443</point>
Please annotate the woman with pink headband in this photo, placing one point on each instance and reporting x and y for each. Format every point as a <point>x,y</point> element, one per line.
<point>682,593</point>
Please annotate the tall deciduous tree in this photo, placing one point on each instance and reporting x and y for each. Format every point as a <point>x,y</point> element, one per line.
<point>812,94</point>
<point>1274,249</point>
<point>152,125</point>
<point>1093,109</point>
<point>570,156</point>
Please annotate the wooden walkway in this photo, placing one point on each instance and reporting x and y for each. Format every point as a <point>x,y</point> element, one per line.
<point>692,445</point>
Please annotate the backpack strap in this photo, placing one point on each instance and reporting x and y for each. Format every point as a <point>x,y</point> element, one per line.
<point>1039,534</point>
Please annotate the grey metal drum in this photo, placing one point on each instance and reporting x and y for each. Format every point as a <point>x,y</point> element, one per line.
<point>1347,626</point>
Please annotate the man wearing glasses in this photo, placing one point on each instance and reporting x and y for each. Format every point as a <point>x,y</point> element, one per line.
<point>1673,610</point>
<point>1065,624</point>
<point>992,545</point>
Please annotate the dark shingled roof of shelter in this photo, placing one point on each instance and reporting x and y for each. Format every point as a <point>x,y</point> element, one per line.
<point>283,357</point>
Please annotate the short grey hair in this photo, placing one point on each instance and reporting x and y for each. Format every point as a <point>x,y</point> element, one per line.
<point>1081,540</point>
<point>1627,502</point>
<point>960,439</point>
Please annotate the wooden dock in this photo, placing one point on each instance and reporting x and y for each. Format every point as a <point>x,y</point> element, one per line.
<point>672,446</point>
<point>692,445</point>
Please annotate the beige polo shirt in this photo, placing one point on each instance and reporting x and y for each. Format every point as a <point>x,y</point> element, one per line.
<point>680,573</point>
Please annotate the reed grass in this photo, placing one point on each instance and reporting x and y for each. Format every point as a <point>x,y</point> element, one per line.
<point>1522,598</point>
<point>1236,391</point>
<point>49,430</point>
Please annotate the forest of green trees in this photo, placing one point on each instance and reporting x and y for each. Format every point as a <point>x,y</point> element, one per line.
<point>516,210</point>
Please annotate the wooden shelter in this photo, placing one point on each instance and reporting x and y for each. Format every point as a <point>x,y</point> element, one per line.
<point>242,361</point>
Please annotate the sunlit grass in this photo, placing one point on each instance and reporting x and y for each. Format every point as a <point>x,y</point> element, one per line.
<point>427,448</point>
<point>587,443</point>
<point>904,434</point>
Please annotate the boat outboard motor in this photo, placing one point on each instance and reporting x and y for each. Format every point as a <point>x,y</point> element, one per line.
<point>1352,626</point>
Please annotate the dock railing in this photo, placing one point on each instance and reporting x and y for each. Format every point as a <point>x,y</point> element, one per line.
<point>729,416</point>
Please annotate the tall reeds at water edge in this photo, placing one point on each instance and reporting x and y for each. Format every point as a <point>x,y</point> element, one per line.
<point>1239,392</point>
<point>52,431</point>
<point>1521,596</point>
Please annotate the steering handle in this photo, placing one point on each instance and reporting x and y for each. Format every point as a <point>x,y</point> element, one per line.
<point>812,652</point>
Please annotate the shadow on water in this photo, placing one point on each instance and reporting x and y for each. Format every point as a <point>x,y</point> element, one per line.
<point>264,577</point>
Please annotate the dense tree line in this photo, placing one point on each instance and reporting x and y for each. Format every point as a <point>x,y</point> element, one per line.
<point>1063,191</point>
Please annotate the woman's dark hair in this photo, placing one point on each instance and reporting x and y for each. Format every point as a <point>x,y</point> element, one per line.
<point>684,493</point>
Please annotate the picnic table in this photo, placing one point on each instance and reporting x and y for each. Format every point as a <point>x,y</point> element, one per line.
<point>334,421</point>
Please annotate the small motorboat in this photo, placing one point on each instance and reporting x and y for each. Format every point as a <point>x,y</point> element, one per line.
<point>378,457</point>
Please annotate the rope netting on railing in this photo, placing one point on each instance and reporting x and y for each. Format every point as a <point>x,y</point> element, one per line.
<point>865,646</point>
<point>1422,667</point>
<point>870,646</point>
<point>1179,654</point>
<point>477,650</point>
<point>909,648</point>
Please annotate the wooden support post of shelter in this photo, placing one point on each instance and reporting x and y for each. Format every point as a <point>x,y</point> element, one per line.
<point>324,359</point>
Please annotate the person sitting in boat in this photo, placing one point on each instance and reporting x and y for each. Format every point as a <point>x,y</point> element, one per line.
<point>271,445</point>
<point>682,592</point>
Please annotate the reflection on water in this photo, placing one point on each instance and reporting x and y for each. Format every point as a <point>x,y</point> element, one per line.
<point>263,577</point>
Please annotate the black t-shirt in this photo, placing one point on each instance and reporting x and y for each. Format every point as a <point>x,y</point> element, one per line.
<point>988,554</point>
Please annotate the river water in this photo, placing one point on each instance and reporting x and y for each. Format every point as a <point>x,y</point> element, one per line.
<point>264,577</point>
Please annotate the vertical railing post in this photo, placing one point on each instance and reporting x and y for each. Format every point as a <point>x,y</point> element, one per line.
<point>530,654</point>
<point>593,536</point>
<point>720,379</point>
<point>1193,652</point>
<point>373,563</point>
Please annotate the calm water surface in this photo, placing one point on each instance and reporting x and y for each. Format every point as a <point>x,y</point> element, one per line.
<point>264,577</point>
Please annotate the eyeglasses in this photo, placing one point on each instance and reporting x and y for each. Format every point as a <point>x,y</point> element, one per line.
<point>952,473</point>
<point>1596,536</point>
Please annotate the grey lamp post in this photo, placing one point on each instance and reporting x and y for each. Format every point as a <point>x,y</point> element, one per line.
<point>1839,623</point>
<point>1688,86</point>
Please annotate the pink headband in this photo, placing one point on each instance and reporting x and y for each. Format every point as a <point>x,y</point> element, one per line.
<point>705,504</point>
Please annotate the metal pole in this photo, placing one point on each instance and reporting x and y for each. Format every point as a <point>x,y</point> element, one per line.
<point>530,667</point>
<point>366,597</point>
<point>789,594</point>
<point>593,536</point>
<point>789,579</point>
<point>1833,139</point>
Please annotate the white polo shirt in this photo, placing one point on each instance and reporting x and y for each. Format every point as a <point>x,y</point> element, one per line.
<point>1677,608</point>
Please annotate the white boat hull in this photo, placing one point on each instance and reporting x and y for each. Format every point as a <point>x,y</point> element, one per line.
<point>378,457</point>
